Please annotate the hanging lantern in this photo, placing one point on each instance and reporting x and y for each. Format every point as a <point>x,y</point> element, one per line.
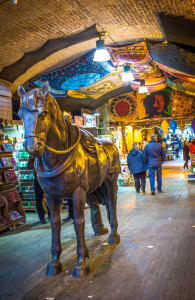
<point>165,127</point>
<point>193,125</point>
<point>173,125</point>
<point>182,125</point>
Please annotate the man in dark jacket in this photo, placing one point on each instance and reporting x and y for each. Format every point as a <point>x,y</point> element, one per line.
<point>137,167</point>
<point>154,156</point>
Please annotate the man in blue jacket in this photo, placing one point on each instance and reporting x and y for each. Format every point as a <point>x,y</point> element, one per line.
<point>137,167</point>
<point>154,156</point>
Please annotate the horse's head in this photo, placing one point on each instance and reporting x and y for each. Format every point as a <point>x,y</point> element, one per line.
<point>36,118</point>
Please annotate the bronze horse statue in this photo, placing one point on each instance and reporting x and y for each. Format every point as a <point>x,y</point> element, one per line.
<point>70,163</point>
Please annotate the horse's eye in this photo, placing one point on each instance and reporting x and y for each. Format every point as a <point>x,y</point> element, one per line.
<point>43,114</point>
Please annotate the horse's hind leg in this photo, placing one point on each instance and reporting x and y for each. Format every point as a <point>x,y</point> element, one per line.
<point>81,267</point>
<point>111,200</point>
<point>55,266</point>
<point>96,218</point>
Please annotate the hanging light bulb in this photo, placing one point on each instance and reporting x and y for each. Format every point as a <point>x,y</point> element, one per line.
<point>101,53</point>
<point>127,74</point>
<point>143,89</point>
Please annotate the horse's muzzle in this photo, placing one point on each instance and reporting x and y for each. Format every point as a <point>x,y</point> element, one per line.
<point>34,146</point>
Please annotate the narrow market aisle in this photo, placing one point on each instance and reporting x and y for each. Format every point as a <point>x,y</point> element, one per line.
<point>155,259</point>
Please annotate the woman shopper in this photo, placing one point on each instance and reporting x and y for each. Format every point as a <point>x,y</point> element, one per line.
<point>186,156</point>
<point>137,167</point>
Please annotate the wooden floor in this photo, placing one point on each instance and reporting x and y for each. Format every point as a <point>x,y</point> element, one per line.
<point>129,271</point>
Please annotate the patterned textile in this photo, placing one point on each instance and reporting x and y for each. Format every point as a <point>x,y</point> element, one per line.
<point>156,105</point>
<point>181,104</point>
<point>165,126</point>
<point>153,85</point>
<point>173,56</point>
<point>129,54</point>
<point>81,73</point>
<point>179,84</point>
<point>105,85</point>
<point>145,70</point>
<point>176,73</point>
<point>123,108</point>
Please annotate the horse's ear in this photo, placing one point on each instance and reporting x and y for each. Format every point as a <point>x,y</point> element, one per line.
<point>45,88</point>
<point>20,91</point>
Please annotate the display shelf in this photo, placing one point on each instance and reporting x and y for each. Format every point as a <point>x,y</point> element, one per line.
<point>21,156</point>
<point>11,210</point>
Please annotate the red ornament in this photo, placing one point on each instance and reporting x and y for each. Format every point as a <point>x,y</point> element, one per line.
<point>122,108</point>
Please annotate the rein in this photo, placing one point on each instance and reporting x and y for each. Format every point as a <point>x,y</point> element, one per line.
<point>58,151</point>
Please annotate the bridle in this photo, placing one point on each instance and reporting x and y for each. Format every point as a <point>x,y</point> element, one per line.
<point>54,150</point>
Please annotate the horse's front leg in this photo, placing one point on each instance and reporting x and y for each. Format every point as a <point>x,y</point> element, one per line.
<point>54,267</point>
<point>81,267</point>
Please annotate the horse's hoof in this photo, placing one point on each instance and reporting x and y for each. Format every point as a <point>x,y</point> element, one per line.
<point>114,239</point>
<point>81,270</point>
<point>101,231</point>
<point>54,268</point>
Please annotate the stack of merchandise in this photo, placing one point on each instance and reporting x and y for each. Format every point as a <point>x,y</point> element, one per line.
<point>15,215</point>
<point>191,175</point>
<point>12,196</point>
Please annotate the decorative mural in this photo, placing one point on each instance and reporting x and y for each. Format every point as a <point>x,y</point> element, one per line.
<point>123,108</point>
<point>145,70</point>
<point>180,84</point>
<point>79,74</point>
<point>174,57</point>
<point>105,85</point>
<point>154,105</point>
<point>153,84</point>
<point>129,54</point>
<point>182,104</point>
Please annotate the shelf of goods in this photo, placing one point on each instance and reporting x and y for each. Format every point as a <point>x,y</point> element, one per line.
<point>25,178</point>
<point>11,211</point>
<point>191,175</point>
<point>125,177</point>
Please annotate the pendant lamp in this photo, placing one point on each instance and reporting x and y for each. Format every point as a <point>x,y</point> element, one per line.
<point>101,53</point>
<point>143,89</point>
<point>127,74</point>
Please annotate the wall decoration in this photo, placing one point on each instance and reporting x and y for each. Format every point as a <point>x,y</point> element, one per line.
<point>182,104</point>
<point>129,54</point>
<point>154,105</point>
<point>153,84</point>
<point>123,108</point>
<point>105,85</point>
<point>145,70</point>
<point>173,56</point>
<point>81,73</point>
<point>180,84</point>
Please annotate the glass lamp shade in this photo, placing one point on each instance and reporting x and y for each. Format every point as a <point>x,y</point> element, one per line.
<point>127,74</point>
<point>101,53</point>
<point>143,89</point>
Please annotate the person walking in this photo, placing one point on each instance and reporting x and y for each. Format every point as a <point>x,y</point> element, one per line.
<point>186,156</point>
<point>137,167</point>
<point>192,150</point>
<point>38,193</point>
<point>154,156</point>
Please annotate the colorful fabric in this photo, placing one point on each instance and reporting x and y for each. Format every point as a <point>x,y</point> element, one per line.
<point>176,73</point>
<point>182,104</point>
<point>180,85</point>
<point>173,56</point>
<point>103,86</point>
<point>153,85</point>
<point>129,54</point>
<point>156,105</point>
<point>145,70</point>
<point>81,73</point>
<point>123,108</point>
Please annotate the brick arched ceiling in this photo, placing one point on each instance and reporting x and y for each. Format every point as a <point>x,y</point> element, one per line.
<point>26,28</point>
